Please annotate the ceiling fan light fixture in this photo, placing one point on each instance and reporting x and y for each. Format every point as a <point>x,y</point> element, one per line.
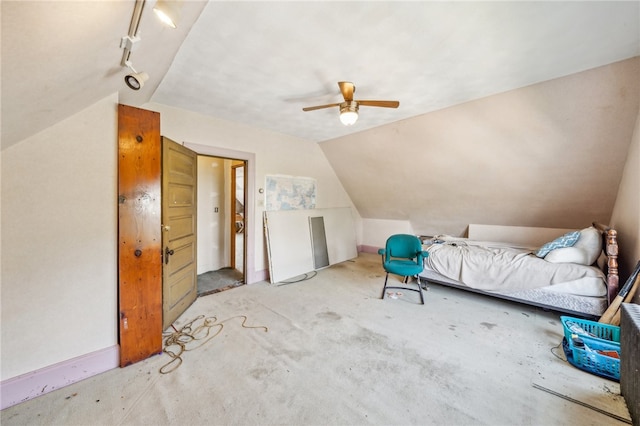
<point>168,12</point>
<point>349,113</point>
<point>349,108</point>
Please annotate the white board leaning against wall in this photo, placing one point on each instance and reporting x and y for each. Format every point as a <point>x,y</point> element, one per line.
<point>297,240</point>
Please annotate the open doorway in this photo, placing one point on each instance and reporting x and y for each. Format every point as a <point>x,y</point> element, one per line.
<point>221,224</point>
<point>249,158</point>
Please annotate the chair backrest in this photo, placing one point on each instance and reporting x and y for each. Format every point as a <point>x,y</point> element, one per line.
<point>403,245</point>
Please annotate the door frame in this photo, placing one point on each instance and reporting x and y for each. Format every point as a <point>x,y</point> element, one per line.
<point>232,216</point>
<point>250,274</point>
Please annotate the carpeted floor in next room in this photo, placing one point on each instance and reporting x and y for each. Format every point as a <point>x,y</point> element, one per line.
<point>334,353</point>
<point>220,280</point>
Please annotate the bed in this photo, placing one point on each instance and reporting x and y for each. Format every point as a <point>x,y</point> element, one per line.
<point>573,272</point>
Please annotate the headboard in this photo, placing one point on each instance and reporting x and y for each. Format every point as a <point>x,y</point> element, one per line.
<point>528,236</point>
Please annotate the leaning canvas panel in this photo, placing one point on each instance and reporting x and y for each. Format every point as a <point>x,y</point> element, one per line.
<point>290,241</point>
<point>341,234</point>
<point>288,244</point>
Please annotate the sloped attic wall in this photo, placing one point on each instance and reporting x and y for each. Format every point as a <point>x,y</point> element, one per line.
<point>626,213</point>
<point>551,155</point>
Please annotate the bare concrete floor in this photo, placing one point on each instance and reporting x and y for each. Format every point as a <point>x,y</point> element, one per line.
<point>333,353</point>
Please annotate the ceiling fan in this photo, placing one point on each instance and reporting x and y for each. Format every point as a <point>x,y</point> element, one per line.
<point>349,108</point>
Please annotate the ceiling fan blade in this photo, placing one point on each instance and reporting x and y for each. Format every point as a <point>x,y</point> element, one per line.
<point>319,107</point>
<point>347,88</point>
<point>385,104</point>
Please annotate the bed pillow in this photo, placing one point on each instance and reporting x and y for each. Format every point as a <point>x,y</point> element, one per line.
<point>585,251</point>
<point>568,255</point>
<point>590,240</point>
<point>567,240</point>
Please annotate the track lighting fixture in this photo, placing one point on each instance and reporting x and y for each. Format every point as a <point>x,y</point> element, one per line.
<point>168,11</point>
<point>129,42</point>
<point>136,79</point>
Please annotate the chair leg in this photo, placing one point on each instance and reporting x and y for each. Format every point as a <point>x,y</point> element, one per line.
<point>384,289</point>
<point>420,289</point>
<point>406,280</point>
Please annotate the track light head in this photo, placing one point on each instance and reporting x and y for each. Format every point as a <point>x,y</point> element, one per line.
<point>135,81</point>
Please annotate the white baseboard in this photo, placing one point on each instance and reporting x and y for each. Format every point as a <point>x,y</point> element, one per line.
<point>257,276</point>
<point>39,382</point>
<point>368,249</point>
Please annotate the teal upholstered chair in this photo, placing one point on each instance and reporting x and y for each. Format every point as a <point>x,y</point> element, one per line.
<point>403,255</point>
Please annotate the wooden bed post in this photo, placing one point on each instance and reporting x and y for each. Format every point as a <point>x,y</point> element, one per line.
<point>610,239</point>
<point>612,263</point>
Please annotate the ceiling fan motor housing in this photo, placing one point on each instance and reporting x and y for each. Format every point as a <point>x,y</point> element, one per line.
<point>349,112</point>
<point>349,106</point>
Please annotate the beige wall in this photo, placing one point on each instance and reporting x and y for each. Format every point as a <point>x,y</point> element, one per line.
<point>626,213</point>
<point>59,242</point>
<point>376,231</point>
<point>547,155</point>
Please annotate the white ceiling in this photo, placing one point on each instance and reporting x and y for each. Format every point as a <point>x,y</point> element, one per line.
<point>259,63</point>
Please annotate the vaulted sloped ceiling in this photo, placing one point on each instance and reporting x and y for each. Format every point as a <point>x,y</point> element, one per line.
<point>259,63</point>
<point>551,154</point>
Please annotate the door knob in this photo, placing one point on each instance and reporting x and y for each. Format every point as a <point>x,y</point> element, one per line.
<point>167,253</point>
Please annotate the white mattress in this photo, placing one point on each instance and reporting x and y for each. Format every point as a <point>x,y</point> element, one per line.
<point>542,297</point>
<point>496,267</point>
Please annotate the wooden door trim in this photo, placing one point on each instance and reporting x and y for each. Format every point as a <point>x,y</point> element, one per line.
<point>232,217</point>
<point>234,184</point>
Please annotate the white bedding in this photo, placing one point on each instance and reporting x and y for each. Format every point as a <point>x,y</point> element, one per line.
<point>496,267</point>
